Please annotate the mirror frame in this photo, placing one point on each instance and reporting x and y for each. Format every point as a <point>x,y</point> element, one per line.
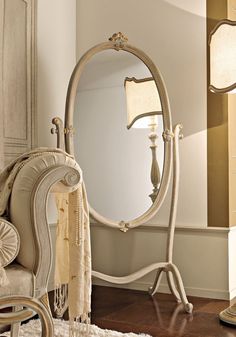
<point>118,42</point>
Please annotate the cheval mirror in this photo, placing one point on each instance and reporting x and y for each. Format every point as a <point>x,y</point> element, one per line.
<point>116,108</point>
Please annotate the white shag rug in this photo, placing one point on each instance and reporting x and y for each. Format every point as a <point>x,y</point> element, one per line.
<point>61,329</point>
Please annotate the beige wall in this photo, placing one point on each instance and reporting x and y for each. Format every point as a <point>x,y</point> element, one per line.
<point>173,33</point>
<point>179,52</point>
<point>115,252</point>
<point>56,36</point>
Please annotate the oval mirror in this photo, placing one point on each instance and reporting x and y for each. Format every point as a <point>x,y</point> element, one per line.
<point>118,108</point>
<point>105,147</point>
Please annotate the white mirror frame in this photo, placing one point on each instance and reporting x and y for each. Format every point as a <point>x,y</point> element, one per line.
<point>118,42</point>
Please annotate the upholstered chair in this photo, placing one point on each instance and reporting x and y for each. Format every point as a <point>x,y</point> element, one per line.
<point>28,230</point>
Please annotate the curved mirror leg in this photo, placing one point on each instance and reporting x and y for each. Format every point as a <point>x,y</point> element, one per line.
<point>179,283</point>
<point>152,290</point>
<point>173,276</point>
<point>172,286</point>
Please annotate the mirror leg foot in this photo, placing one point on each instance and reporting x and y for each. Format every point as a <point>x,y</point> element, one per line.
<point>179,285</point>
<point>153,289</point>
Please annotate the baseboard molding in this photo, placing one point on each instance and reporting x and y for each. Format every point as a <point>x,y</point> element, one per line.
<point>233,295</point>
<point>164,228</point>
<point>163,288</point>
<point>205,247</point>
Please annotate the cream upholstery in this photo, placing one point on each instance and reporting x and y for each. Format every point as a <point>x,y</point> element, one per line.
<point>21,281</point>
<point>28,274</point>
<point>20,210</point>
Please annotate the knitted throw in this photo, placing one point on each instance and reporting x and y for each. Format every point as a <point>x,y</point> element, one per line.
<point>73,257</point>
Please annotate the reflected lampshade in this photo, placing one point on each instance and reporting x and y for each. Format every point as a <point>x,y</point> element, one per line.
<point>143,102</point>
<point>223,57</point>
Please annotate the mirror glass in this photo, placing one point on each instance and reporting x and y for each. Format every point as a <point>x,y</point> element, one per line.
<point>116,161</point>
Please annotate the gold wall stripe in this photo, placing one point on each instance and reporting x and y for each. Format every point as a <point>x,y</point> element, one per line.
<point>217,135</point>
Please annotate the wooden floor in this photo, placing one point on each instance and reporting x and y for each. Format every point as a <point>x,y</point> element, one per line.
<point>128,310</point>
<point>159,316</point>
<point>135,311</point>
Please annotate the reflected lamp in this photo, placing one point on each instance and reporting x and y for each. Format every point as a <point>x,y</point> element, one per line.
<point>143,107</point>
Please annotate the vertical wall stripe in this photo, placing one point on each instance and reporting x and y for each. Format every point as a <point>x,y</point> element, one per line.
<point>231,14</point>
<point>217,136</point>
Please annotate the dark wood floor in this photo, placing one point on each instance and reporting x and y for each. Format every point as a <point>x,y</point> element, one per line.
<point>128,310</point>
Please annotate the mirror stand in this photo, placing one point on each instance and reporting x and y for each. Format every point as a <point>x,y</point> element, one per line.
<point>65,139</point>
<point>174,279</point>
<point>173,275</point>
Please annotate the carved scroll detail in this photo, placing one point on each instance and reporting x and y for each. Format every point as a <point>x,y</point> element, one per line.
<point>119,40</point>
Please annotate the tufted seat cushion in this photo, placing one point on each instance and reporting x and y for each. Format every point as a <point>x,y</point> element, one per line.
<point>25,287</point>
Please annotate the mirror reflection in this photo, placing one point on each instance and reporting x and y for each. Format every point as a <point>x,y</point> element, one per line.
<point>118,127</point>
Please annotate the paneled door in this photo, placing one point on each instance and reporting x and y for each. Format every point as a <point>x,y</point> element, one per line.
<point>17,78</point>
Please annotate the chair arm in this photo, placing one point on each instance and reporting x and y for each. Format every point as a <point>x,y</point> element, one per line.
<point>28,210</point>
<point>33,305</point>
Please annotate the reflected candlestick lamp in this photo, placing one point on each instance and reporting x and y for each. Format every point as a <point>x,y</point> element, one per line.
<point>223,80</point>
<point>143,108</point>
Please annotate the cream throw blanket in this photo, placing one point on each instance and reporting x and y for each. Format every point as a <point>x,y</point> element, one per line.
<point>73,258</point>
<point>73,251</point>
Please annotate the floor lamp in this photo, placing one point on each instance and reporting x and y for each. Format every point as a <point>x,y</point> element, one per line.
<point>223,80</point>
<point>143,108</point>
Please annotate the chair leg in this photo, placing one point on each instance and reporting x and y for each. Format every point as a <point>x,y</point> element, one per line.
<point>33,305</point>
<point>15,327</point>
<point>45,301</point>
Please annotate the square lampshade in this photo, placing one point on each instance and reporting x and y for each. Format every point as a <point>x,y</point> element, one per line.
<point>223,57</point>
<point>143,102</point>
